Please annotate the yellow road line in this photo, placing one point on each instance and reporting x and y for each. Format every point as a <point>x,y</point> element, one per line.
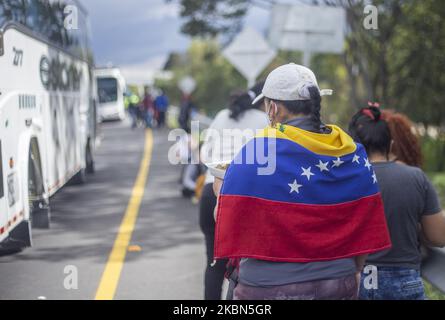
<point>113,268</point>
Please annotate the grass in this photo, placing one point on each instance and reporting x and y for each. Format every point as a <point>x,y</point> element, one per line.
<point>432,293</point>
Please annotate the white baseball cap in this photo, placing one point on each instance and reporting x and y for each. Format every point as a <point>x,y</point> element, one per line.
<point>290,82</point>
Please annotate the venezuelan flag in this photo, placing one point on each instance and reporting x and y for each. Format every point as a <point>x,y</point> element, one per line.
<point>322,201</point>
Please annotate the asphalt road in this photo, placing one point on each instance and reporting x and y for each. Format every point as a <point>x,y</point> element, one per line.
<point>166,259</point>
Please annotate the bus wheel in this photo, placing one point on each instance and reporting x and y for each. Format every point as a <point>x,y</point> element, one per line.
<point>79,178</point>
<point>19,238</point>
<point>90,169</point>
<point>40,214</point>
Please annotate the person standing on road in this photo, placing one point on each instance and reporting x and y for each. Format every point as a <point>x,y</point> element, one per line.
<point>161,103</point>
<point>133,109</point>
<point>148,108</point>
<point>409,200</point>
<point>242,115</point>
<point>303,228</point>
<point>405,148</point>
<point>184,119</point>
<point>186,113</point>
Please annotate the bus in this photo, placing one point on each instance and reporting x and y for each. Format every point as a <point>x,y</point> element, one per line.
<point>110,94</point>
<point>47,111</point>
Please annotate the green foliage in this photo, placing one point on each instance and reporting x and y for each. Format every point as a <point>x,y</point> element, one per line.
<point>417,61</point>
<point>438,180</point>
<point>400,65</point>
<point>433,293</point>
<point>216,78</point>
<point>208,18</point>
<point>434,154</point>
<point>332,74</point>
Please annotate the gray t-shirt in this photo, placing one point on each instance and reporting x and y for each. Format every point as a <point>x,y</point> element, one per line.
<point>260,273</point>
<point>408,195</point>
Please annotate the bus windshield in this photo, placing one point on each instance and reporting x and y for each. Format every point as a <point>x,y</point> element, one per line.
<point>107,90</point>
<point>47,20</point>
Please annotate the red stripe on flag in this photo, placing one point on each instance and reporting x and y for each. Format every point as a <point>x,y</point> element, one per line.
<point>249,227</point>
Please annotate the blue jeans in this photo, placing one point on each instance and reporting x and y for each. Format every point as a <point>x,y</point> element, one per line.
<point>148,119</point>
<point>394,284</point>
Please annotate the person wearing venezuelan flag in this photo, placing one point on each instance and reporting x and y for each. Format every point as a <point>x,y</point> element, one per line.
<point>304,229</point>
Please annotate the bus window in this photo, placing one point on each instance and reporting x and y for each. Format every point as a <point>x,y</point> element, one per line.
<point>1,172</point>
<point>2,13</point>
<point>107,90</point>
<point>47,18</point>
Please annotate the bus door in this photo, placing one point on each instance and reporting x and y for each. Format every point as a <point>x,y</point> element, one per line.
<point>3,200</point>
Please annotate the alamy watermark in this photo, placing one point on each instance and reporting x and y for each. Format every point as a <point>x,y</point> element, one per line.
<point>371,21</point>
<point>71,280</point>
<point>370,281</point>
<point>71,21</point>
<point>222,147</point>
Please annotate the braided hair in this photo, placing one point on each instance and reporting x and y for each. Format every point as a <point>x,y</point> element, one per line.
<point>311,107</point>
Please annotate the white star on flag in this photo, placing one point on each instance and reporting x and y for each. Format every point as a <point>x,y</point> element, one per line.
<point>356,159</point>
<point>338,162</point>
<point>323,166</point>
<point>374,177</point>
<point>295,187</point>
<point>367,164</point>
<point>307,172</point>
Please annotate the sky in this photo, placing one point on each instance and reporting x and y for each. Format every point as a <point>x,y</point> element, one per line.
<point>138,35</point>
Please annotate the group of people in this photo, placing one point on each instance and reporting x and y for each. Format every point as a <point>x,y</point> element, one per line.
<point>342,216</point>
<point>149,111</point>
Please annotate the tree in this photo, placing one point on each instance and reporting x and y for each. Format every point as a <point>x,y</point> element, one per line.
<point>417,78</point>
<point>400,64</point>
<point>208,18</point>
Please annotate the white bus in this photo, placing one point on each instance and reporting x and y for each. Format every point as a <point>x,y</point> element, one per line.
<point>47,111</point>
<point>110,94</point>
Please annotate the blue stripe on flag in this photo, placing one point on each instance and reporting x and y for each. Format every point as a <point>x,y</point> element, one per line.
<point>300,175</point>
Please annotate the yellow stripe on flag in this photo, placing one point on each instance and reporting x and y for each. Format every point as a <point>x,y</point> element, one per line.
<point>336,144</point>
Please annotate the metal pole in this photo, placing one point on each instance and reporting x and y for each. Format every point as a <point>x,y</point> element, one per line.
<point>307,55</point>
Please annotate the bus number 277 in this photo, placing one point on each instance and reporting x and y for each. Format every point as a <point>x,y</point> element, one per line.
<point>18,57</point>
